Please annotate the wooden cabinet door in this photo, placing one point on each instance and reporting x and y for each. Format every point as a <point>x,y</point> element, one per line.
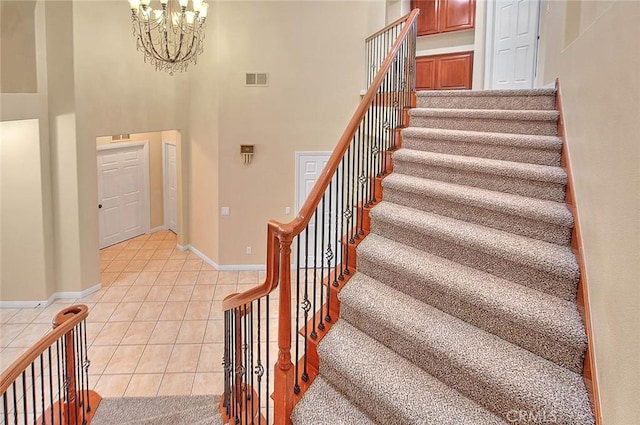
<point>454,71</point>
<point>456,15</point>
<point>428,17</point>
<point>425,73</point>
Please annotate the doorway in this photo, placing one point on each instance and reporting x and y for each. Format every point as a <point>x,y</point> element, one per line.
<point>123,191</point>
<point>512,43</point>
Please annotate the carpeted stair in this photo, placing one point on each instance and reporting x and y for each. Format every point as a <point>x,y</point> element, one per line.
<point>463,308</point>
<point>166,410</point>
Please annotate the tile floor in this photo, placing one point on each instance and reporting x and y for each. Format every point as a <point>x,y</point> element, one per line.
<point>155,327</point>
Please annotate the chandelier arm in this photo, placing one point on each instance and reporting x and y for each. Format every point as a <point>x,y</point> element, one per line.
<point>148,47</point>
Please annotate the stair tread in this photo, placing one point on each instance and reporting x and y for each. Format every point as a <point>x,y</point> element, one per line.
<point>543,173</point>
<point>547,314</point>
<point>391,383</point>
<point>533,208</point>
<point>441,340</point>
<point>498,114</point>
<point>323,404</point>
<point>548,257</point>
<point>506,139</point>
<point>487,93</point>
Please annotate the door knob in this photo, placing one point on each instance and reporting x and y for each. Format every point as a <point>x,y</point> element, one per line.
<point>99,205</point>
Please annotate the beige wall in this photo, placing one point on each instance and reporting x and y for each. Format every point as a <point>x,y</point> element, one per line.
<point>156,188</point>
<point>22,241</point>
<point>594,48</point>
<point>18,72</point>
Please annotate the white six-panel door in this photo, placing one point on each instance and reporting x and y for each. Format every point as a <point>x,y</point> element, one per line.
<point>512,47</point>
<point>170,187</point>
<point>123,193</point>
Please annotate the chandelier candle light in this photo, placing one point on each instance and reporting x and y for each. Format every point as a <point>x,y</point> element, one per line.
<point>171,37</point>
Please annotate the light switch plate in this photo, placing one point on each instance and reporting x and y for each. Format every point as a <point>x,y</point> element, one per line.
<point>224,211</point>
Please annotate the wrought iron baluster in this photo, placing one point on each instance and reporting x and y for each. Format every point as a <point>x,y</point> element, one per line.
<point>268,363</point>
<point>321,324</point>
<point>296,386</point>
<point>329,255</point>
<point>306,306</point>
<point>60,381</point>
<point>314,334</point>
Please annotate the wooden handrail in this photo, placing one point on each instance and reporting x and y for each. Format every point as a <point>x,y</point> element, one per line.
<point>280,231</point>
<point>64,322</point>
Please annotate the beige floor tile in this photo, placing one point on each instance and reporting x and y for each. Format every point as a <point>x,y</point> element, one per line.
<point>262,275</point>
<point>187,278</point>
<point>144,385</point>
<point>138,333</point>
<point>214,332</point>
<point>168,244</point>
<point>149,311</point>
<point>193,256</point>
<point>101,312</point>
<point>112,385</point>
<point>197,310</point>
<point>180,293</point>
<point>125,312</point>
<point>173,265</point>
<point>216,312</point>
<point>108,255</point>
<point>192,265</point>
<point>114,294</point>
<point>136,265</point>
<point>47,314</point>
<point>173,311</point>
<point>136,245</point>
<point>125,279</point>
<point>165,332</point>
<point>176,384</point>
<point>107,278</point>
<point>141,238</point>
<point>207,267</point>
<point>112,333</point>
<point>177,254</point>
<point>144,254</point>
<point>25,315</point>
<point>192,332</point>
<point>157,236</point>
<point>203,293</point>
<point>248,277</point>
<point>167,278</point>
<point>124,360</point>
<point>126,255</point>
<point>223,290</point>
<point>151,245</point>
<point>147,278</point>
<point>93,330</point>
<point>211,358</point>
<point>159,293</point>
<point>117,266</point>
<point>207,278</point>
<point>162,254</point>
<point>28,336</point>
<point>227,277</point>
<point>154,359</point>
<point>154,265</point>
<point>95,297</point>
<point>99,355</point>
<point>184,358</point>
<point>137,293</point>
<point>208,383</point>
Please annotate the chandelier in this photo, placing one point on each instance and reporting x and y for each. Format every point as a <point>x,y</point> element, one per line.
<point>171,37</point>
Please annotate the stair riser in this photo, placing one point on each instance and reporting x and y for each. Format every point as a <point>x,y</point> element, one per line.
<point>498,220</point>
<point>530,188</point>
<point>483,150</point>
<point>542,128</point>
<point>358,396</point>
<point>559,286</point>
<point>430,291</point>
<point>473,385</point>
<point>488,102</point>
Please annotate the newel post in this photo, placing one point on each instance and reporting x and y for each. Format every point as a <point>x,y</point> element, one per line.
<point>70,405</point>
<point>283,375</point>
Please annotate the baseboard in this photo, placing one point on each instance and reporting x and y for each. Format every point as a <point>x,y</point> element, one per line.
<point>157,229</point>
<point>221,267</point>
<point>51,299</point>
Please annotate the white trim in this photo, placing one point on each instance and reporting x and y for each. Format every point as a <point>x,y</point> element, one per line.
<point>297,155</point>
<point>158,228</point>
<point>51,299</point>
<point>121,145</point>
<point>164,180</point>
<point>446,50</point>
<point>241,267</point>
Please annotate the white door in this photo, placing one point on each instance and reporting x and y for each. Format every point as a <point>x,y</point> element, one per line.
<point>309,167</point>
<point>122,193</point>
<point>170,187</point>
<point>513,32</point>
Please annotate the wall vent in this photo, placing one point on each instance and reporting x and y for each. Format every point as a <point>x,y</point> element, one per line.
<point>256,79</point>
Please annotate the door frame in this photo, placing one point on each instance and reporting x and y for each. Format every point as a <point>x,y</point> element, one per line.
<point>145,178</point>
<point>298,154</point>
<point>165,203</point>
<point>489,39</point>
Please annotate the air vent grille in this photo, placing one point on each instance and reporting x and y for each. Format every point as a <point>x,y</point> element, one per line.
<point>257,79</point>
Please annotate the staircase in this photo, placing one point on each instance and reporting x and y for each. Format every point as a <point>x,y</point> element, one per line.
<point>463,308</point>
